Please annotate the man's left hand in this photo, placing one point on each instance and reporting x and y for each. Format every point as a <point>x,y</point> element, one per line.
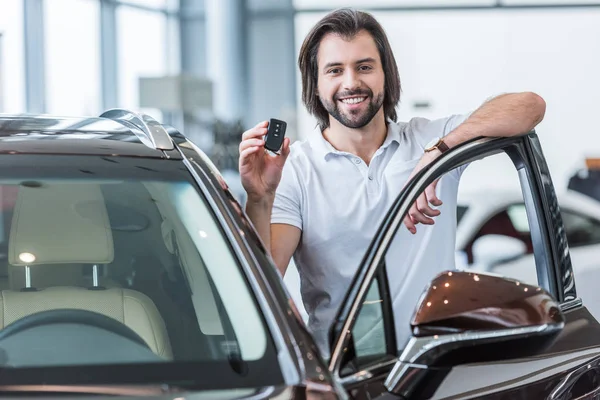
<point>421,211</point>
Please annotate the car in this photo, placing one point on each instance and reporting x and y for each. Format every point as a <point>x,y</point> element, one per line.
<point>128,268</point>
<point>493,235</point>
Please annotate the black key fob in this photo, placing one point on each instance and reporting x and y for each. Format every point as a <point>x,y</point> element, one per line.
<point>275,135</point>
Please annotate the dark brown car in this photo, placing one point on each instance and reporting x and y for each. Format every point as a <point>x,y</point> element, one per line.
<point>128,268</point>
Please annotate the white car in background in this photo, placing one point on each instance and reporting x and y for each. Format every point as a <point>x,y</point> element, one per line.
<point>493,235</point>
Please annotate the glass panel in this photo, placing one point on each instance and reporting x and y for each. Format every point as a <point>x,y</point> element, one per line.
<point>12,56</point>
<point>150,3</point>
<point>518,216</point>
<point>494,234</point>
<point>368,331</point>
<point>132,240</point>
<point>73,73</point>
<point>581,230</point>
<point>142,53</point>
<point>331,4</point>
<point>583,237</point>
<point>484,239</point>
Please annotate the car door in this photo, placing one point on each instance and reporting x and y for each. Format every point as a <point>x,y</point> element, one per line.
<point>368,337</point>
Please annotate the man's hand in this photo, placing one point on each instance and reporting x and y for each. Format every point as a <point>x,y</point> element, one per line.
<point>260,171</point>
<point>421,211</point>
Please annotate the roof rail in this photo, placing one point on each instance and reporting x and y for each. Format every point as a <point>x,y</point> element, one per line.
<point>153,134</point>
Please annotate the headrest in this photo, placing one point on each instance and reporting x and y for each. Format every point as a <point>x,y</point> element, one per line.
<point>58,223</point>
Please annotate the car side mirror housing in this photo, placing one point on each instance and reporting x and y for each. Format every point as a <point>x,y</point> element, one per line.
<point>491,250</point>
<point>466,317</point>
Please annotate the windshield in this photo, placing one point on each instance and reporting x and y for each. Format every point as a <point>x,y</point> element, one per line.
<point>115,268</point>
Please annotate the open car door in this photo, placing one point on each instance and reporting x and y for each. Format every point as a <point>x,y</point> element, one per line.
<point>418,324</point>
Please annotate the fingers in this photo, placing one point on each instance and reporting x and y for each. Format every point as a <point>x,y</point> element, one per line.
<point>421,211</point>
<point>249,150</point>
<point>258,131</point>
<point>410,225</point>
<point>431,195</point>
<point>424,208</point>
<point>285,148</point>
<point>244,144</point>
<point>246,153</point>
<point>418,216</point>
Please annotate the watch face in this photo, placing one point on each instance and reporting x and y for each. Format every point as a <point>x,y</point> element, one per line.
<point>432,143</point>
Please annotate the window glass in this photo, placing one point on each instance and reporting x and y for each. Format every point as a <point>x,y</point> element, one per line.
<point>494,233</point>
<point>583,237</point>
<point>142,53</point>
<point>132,240</point>
<point>581,231</point>
<point>485,241</point>
<point>368,331</point>
<point>518,217</point>
<point>151,3</point>
<point>12,58</point>
<point>72,81</point>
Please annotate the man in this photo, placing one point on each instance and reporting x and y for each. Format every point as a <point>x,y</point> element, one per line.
<point>322,199</point>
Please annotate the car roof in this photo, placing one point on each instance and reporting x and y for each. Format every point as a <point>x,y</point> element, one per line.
<point>43,134</point>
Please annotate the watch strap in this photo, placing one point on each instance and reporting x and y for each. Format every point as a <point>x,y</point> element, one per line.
<point>442,146</point>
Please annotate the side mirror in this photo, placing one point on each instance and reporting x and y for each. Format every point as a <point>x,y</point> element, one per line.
<point>491,250</point>
<point>465,317</point>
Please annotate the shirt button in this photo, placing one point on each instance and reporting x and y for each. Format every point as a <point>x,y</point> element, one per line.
<point>357,161</point>
<point>370,178</point>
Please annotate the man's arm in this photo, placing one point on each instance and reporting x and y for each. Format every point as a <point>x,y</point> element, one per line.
<point>281,240</point>
<point>506,115</point>
<point>503,116</point>
<point>260,174</point>
<point>282,249</point>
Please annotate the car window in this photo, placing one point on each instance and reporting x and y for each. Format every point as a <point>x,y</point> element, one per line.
<point>583,237</point>
<point>510,222</point>
<point>372,336</point>
<point>134,241</point>
<point>368,330</point>
<point>413,260</point>
<point>581,230</point>
<point>495,236</point>
<point>518,217</point>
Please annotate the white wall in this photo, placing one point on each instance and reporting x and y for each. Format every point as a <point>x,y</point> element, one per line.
<point>455,60</point>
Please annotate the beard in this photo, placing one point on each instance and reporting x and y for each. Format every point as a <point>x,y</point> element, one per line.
<point>354,118</point>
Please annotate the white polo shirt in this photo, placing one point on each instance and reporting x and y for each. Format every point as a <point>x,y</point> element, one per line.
<point>338,201</point>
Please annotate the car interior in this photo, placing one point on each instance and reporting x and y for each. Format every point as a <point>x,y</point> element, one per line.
<point>111,248</point>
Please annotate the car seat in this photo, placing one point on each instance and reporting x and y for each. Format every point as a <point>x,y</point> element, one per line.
<point>65,224</point>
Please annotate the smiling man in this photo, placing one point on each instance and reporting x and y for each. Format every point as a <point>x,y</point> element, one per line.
<point>322,199</point>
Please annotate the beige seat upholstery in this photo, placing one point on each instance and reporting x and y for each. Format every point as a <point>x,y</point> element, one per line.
<point>66,225</point>
<point>60,223</point>
<point>129,307</point>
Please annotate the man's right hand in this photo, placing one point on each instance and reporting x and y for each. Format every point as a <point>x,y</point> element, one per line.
<point>260,171</point>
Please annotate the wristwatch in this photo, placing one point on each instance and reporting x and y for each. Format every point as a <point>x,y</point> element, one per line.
<point>437,143</point>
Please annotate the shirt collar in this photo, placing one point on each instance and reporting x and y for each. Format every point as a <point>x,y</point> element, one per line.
<point>325,149</point>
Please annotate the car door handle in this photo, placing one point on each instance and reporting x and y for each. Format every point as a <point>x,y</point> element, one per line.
<point>576,383</point>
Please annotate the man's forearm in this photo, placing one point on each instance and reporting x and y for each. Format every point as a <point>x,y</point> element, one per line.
<point>259,212</point>
<point>506,115</point>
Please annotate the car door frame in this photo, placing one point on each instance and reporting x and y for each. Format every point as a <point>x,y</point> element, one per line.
<point>542,212</point>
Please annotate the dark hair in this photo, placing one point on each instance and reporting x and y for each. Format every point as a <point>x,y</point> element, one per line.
<point>347,23</point>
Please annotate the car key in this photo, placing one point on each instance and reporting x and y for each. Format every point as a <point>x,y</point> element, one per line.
<point>275,135</point>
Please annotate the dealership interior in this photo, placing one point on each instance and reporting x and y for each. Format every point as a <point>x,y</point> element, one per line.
<point>213,69</point>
